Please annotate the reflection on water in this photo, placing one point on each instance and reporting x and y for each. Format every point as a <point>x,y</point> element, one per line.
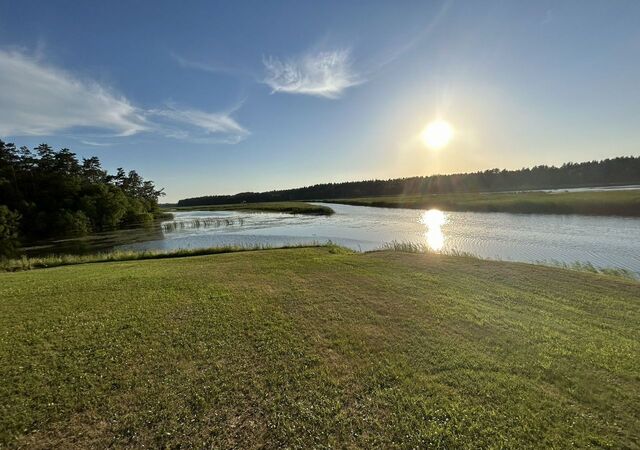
<point>434,219</point>
<point>97,242</point>
<point>602,241</point>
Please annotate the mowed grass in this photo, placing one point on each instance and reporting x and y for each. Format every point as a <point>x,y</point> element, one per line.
<point>318,348</point>
<point>607,203</point>
<point>282,207</point>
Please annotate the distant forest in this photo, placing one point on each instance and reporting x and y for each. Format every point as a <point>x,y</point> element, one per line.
<point>616,171</point>
<point>46,193</point>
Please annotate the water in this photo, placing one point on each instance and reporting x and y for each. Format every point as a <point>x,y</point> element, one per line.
<point>603,241</point>
<point>628,187</point>
<point>612,242</point>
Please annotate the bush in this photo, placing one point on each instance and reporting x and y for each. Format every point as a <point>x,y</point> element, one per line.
<point>9,225</point>
<point>72,223</point>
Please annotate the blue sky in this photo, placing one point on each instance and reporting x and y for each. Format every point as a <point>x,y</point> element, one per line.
<point>221,97</point>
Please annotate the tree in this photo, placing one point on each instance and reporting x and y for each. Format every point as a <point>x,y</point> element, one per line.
<point>47,193</point>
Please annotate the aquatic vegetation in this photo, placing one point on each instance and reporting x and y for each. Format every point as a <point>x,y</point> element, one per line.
<point>281,207</point>
<point>607,203</point>
<point>419,247</point>
<point>30,263</point>
<point>205,222</point>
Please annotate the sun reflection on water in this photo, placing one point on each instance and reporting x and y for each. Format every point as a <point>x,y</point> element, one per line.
<point>434,219</point>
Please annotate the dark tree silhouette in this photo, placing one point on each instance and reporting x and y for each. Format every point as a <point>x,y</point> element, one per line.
<point>617,171</point>
<point>46,193</point>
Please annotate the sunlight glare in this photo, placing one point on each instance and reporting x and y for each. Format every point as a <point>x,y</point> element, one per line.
<point>434,219</point>
<point>437,134</point>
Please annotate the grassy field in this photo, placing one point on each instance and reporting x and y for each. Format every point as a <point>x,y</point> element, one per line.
<point>283,207</point>
<point>318,347</point>
<point>613,203</point>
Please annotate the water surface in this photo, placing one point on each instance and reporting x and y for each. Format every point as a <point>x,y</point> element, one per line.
<point>602,241</point>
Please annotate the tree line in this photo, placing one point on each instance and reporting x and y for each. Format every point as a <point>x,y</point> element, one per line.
<point>46,193</point>
<point>616,171</point>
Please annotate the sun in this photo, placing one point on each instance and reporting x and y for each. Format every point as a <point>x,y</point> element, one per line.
<point>437,134</point>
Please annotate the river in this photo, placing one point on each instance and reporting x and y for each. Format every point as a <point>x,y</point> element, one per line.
<point>612,242</point>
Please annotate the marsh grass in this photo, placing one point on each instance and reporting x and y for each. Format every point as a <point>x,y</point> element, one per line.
<point>607,203</point>
<point>30,263</point>
<point>281,207</point>
<point>206,222</point>
<point>419,247</point>
<point>590,268</point>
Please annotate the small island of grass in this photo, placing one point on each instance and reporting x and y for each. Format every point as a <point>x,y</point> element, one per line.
<point>281,207</point>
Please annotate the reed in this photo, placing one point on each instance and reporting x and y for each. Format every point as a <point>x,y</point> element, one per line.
<point>206,222</point>
<point>418,247</point>
<point>30,263</point>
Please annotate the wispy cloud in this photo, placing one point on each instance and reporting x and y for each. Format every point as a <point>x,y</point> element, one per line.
<point>207,66</point>
<point>36,99</point>
<point>323,74</point>
<point>96,144</point>
<point>42,100</point>
<point>198,126</point>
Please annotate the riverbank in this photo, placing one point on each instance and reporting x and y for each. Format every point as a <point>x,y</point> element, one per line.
<point>281,207</point>
<point>318,347</point>
<point>602,203</point>
<point>58,260</point>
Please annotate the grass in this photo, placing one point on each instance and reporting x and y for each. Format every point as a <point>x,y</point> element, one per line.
<point>282,207</point>
<point>318,348</point>
<point>614,203</point>
<point>48,261</point>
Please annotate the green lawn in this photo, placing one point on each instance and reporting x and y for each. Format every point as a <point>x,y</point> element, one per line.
<point>613,203</point>
<point>318,347</point>
<point>284,207</point>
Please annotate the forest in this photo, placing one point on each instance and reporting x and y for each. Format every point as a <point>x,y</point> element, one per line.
<point>46,193</point>
<point>616,171</point>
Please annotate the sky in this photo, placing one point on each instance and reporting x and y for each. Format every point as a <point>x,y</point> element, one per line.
<point>230,96</point>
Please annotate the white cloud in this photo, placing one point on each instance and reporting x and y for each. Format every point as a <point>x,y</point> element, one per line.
<point>207,67</point>
<point>198,126</point>
<point>322,74</point>
<point>96,144</point>
<point>41,100</point>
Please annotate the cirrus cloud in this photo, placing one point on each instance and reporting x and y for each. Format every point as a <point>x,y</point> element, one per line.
<point>41,100</point>
<point>323,74</point>
<point>36,99</point>
<point>198,126</point>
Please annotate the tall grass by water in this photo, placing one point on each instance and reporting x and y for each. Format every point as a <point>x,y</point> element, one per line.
<point>606,203</point>
<point>205,222</point>
<point>420,247</point>
<point>30,263</point>
<point>280,207</point>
